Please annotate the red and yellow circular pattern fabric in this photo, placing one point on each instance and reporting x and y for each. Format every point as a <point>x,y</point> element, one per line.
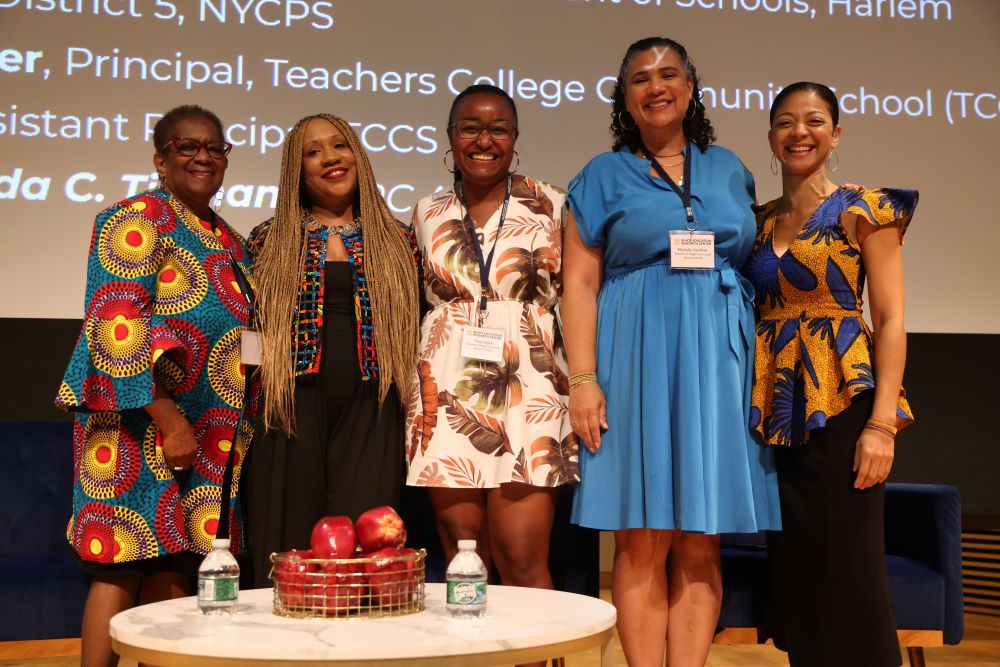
<point>214,433</point>
<point>156,211</point>
<point>219,268</point>
<point>152,454</point>
<point>201,511</point>
<point>179,371</point>
<point>93,533</point>
<point>225,372</point>
<point>128,245</point>
<point>181,282</point>
<point>109,465</point>
<point>99,392</point>
<point>169,521</point>
<point>202,229</point>
<point>133,536</point>
<point>118,329</point>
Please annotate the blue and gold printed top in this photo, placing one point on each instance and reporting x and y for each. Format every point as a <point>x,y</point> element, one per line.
<point>814,349</point>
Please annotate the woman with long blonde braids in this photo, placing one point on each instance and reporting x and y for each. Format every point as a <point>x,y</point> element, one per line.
<point>338,312</point>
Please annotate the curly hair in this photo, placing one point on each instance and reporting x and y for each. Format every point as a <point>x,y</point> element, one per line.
<point>697,128</point>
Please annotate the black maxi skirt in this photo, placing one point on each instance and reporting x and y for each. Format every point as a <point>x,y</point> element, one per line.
<point>347,456</point>
<point>830,588</point>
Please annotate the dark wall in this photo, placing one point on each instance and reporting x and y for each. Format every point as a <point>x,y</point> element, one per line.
<point>951,380</point>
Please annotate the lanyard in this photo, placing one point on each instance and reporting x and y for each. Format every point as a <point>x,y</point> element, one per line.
<point>690,224</point>
<point>484,265</point>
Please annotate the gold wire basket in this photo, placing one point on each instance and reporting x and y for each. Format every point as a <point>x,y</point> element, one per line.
<point>348,587</point>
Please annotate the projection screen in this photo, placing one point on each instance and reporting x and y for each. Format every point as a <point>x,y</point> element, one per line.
<point>83,81</point>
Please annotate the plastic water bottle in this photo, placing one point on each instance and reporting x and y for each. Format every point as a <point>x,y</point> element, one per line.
<point>218,581</point>
<point>466,577</point>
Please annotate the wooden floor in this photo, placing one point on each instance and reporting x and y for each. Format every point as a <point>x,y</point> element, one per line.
<point>979,648</point>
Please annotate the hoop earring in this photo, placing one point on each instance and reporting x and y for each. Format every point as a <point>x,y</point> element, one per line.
<point>693,108</point>
<point>836,158</point>
<point>774,164</point>
<point>217,206</point>
<point>445,160</point>
<point>622,124</point>
<point>514,170</point>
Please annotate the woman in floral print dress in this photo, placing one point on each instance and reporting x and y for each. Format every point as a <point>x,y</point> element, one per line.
<point>491,439</point>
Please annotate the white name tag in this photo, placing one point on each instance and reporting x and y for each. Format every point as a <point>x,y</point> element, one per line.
<point>692,250</point>
<point>483,343</point>
<point>250,348</point>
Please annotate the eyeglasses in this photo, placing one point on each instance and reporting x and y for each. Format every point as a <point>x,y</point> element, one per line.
<point>501,130</point>
<point>191,147</point>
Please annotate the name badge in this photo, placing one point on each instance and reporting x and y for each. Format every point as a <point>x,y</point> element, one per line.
<point>250,347</point>
<point>483,343</point>
<point>692,250</point>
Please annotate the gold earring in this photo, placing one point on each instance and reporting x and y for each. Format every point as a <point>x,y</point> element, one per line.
<point>622,124</point>
<point>836,158</point>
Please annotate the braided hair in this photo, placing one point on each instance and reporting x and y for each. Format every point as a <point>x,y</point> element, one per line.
<point>697,128</point>
<point>389,270</point>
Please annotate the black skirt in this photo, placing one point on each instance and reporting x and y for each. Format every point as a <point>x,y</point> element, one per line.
<point>830,588</point>
<point>347,455</point>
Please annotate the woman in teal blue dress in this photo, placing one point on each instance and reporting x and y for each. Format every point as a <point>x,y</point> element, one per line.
<point>661,356</point>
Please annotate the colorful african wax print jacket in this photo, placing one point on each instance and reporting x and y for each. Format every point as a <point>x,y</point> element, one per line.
<point>814,349</point>
<point>162,305</point>
<point>307,326</point>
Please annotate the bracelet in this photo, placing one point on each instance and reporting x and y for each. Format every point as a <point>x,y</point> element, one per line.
<point>577,379</point>
<point>887,427</point>
<point>873,427</point>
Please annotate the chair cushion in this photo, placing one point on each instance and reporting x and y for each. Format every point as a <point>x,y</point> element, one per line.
<point>744,587</point>
<point>43,597</point>
<point>917,594</point>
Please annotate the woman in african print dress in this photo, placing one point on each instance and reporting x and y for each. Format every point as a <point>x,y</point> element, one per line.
<point>827,389</point>
<point>490,438</point>
<point>156,383</point>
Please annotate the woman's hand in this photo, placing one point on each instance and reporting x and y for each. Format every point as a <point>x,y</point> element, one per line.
<point>587,414</point>
<point>176,433</point>
<point>873,457</point>
<point>179,445</point>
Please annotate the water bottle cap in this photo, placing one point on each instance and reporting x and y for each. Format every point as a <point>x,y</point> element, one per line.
<point>466,545</point>
<point>220,544</point>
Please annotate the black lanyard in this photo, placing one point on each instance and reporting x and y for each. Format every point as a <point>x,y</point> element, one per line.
<point>245,287</point>
<point>484,264</point>
<point>684,194</point>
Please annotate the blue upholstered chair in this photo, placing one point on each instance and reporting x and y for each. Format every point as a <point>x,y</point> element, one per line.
<point>41,587</point>
<point>923,542</point>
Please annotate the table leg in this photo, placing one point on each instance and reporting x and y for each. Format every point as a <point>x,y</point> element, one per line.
<point>607,652</point>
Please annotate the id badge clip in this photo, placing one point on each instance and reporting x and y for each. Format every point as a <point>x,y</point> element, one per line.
<point>691,249</point>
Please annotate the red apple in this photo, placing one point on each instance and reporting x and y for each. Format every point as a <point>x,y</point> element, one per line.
<point>295,578</point>
<point>380,527</point>
<point>333,537</point>
<point>391,577</point>
<point>343,588</point>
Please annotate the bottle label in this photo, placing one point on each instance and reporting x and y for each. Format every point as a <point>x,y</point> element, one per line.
<point>218,590</point>
<point>467,592</point>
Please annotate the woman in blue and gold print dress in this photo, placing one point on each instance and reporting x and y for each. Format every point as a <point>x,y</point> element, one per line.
<point>819,394</point>
<point>156,383</point>
<point>671,350</point>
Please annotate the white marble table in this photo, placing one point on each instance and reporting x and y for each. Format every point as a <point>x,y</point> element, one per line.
<point>521,625</point>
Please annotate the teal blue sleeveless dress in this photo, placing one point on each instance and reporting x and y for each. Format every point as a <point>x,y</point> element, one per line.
<point>674,353</point>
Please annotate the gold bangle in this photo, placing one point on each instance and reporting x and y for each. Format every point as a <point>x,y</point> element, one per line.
<point>888,427</point>
<point>873,427</point>
<point>577,379</point>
